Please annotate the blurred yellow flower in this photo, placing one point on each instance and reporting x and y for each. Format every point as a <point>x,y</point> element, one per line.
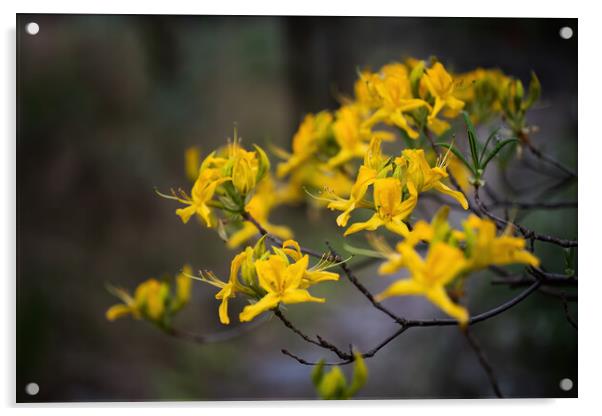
<point>192,159</point>
<point>149,301</point>
<point>440,85</point>
<point>486,249</point>
<point>306,141</point>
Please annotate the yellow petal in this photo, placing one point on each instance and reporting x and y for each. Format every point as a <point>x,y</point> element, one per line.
<point>458,196</point>
<point>401,288</point>
<point>299,296</point>
<point>118,311</point>
<point>266,303</point>
<point>185,213</point>
<point>439,297</point>
<point>372,224</point>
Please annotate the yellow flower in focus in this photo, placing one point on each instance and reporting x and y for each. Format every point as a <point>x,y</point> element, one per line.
<point>429,277</point>
<point>416,170</point>
<point>312,131</point>
<point>486,249</point>
<point>281,282</point>
<point>315,274</point>
<point>440,85</point>
<point>373,164</point>
<point>202,192</point>
<point>149,301</point>
<point>390,209</point>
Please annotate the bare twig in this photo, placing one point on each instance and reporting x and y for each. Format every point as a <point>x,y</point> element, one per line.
<point>472,341</point>
<point>527,233</point>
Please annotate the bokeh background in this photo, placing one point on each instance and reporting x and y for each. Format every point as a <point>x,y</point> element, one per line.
<point>107,106</point>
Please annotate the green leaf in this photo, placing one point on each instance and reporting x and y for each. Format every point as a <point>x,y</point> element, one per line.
<point>460,156</point>
<point>472,140</point>
<point>333,385</point>
<point>317,373</point>
<point>491,136</point>
<point>360,375</point>
<point>534,92</point>
<point>495,151</point>
<point>264,163</point>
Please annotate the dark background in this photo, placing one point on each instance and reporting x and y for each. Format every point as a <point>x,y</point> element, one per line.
<point>106,107</point>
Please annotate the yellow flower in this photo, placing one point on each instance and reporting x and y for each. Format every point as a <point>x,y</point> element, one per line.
<point>390,209</point>
<point>394,91</point>
<point>438,230</point>
<point>259,206</point>
<point>429,276</point>
<point>373,164</point>
<point>485,249</point>
<point>281,282</point>
<point>202,192</point>
<point>440,85</point>
<point>306,141</point>
<point>149,301</point>
<point>311,276</point>
<point>183,288</point>
<point>416,170</point>
<point>350,136</point>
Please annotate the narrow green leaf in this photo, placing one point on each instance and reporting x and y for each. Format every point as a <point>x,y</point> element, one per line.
<point>491,136</point>
<point>495,151</point>
<point>472,140</point>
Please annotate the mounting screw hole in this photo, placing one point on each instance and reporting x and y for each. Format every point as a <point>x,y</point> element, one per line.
<point>566,32</point>
<point>32,389</point>
<point>566,384</point>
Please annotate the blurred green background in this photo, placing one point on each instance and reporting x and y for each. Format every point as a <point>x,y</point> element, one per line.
<point>107,106</point>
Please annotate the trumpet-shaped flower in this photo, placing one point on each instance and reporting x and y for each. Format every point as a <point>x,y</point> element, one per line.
<point>306,141</point>
<point>391,210</point>
<point>367,174</point>
<point>429,277</point>
<point>202,192</point>
<point>281,281</point>
<point>149,301</point>
<point>316,273</point>
<point>350,136</point>
<point>486,249</point>
<point>440,85</point>
<point>395,95</point>
<point>416,170</point>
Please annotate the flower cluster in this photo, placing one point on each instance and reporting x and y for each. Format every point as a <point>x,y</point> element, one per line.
<point>268,278</point>
<point>338,158</point>
<point>451,255</point>
<point>233,180</point>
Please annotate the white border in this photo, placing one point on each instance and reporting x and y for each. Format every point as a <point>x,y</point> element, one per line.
<point>590,135</point>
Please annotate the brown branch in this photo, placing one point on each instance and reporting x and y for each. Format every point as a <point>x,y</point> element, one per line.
<point>472,341</point>
<point>527,233</point>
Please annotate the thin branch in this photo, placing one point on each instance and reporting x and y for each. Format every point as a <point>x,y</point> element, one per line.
<point>527,233</point>
<point>472,341</point>
<point>548,159</point>
<point>430,323</point>
<point>565,306</point>
<point>320,342</point>
<point>354,280</point>
<point>221,336</point>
